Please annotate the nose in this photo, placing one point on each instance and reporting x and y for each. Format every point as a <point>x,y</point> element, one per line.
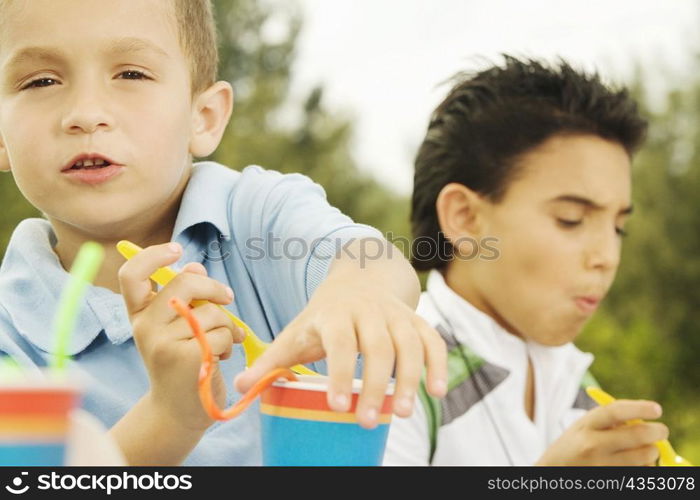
<point>603,252</point>
<point>86,110</point>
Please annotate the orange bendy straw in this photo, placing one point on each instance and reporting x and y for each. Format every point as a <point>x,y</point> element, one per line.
<point>206,394</point>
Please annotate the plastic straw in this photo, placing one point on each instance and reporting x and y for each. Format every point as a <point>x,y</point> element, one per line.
<point>82,273</point>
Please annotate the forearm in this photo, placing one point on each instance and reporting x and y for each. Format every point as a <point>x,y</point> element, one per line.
<point>377,264</point>
<point>150,437</point>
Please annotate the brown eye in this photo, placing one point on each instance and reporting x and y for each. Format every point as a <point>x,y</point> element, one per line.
<point>38,83</point>
<point>138,75</point>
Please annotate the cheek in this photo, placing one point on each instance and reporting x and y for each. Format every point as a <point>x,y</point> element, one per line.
<point>536,255</point>
<point>164,140</point>
<point>531,279</point>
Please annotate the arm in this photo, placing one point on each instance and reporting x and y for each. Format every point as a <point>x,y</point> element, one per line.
<point>168,422</point>
<point>364,305</point>
<point>375,262</point>
<point>149,436</point>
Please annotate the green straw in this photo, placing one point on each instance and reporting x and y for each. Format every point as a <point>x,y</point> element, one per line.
<point>83,271</point>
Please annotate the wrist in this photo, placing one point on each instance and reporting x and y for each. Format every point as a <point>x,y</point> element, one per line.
<point>175,421</point>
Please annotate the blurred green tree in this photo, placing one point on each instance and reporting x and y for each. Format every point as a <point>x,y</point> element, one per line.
<point>258,42</point>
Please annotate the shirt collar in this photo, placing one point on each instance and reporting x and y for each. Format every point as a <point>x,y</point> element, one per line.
<point>206,198</point>
<point>31,281</point>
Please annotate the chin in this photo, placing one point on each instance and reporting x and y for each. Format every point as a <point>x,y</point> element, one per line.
<point>99,224</point>
<point>558,339</point>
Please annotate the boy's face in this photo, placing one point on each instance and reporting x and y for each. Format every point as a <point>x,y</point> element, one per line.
<point>95,76</point>
<point>558,229</point>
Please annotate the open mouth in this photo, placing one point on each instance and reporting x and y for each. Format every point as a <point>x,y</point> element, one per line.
<point>90,164</point>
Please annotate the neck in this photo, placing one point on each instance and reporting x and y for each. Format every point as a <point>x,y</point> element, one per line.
<point>460,281</point>
<point>156,230</point>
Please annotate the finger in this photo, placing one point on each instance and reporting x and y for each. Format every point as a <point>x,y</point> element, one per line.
<point>436,356</point>
<point>409,364</point>
<point>628,437</point>
<point>209,317</point>
<point>617,413</point>
<point>641,456</point>
<point>134,275</point>
<point>340,344</point>
<point>378,351</point>
<point>220,341</point>
<point>293,346</point>
<point>195,268</point>
<point>188,287</point>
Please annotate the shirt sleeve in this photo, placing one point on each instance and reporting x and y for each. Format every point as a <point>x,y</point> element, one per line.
<point>288,235</point>
<point>408,442</point>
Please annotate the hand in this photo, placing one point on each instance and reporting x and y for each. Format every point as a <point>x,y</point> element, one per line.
<point>166,343</point>
<point>345,317</point>
<point>601,437</point>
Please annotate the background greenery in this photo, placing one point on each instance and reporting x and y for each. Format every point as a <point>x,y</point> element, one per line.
<point>647,336</point>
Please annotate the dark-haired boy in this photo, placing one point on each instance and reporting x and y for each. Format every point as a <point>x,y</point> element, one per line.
<point>534,161</point>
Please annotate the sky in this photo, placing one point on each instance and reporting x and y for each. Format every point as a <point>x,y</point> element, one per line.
<point>381,62</point>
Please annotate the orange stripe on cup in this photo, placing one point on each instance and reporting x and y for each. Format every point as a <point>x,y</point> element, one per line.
<point>32,424</point>
<point>310,400</point>
<point>316,415</point>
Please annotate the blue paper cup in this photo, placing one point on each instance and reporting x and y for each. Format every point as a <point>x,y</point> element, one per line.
<point>300,429</point>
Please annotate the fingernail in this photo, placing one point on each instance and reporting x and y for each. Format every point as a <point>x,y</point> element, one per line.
<point>341,401</point>
<point>371,415</point>
<point>174,247</point>
<point>440,386</point>
<point>229,292</point>
<point>658,411</point>
<point>405,403</point>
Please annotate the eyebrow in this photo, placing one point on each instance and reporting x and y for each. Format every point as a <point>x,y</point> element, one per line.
<point>588,203</point>
<point>124,45</point>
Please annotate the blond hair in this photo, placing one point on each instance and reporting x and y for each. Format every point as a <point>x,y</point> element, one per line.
<point>198,40</point>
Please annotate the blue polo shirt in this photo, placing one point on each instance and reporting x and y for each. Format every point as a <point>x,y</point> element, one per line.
<point>271,237</point>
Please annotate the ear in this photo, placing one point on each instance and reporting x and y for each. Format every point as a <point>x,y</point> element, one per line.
<point>4,158</point>
<point>211,112</point>
<point>460,215</point>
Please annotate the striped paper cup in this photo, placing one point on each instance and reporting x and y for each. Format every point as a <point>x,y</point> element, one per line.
<point>34,421</point>
<point>299,428</point>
